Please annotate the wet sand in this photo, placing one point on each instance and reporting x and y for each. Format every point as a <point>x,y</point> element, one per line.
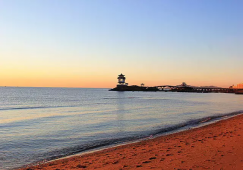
<point>216,146</point>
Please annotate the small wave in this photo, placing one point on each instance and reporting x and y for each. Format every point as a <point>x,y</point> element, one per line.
<point>56,154</point>
<point>112,98</point>
<point>37,107</point>
<point>121,98</point>
<point>194,122</point>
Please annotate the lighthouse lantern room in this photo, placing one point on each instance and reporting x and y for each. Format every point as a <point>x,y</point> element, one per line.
<point>121,80</point>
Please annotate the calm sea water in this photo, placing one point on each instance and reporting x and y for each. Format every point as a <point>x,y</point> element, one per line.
<point>39,124</point>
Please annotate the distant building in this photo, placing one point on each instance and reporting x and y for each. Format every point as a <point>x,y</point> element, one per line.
<point>121,80</point>
<point>183,84</point>
<point>238,86</point>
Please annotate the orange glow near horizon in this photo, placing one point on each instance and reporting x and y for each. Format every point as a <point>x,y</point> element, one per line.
<point>103,75</point>
<point>37,79</point>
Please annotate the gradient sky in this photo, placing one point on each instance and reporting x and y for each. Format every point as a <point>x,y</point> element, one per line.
<point>87,43</point>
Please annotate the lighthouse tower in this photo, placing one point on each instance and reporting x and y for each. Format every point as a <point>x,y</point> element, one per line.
<point>121,80</point>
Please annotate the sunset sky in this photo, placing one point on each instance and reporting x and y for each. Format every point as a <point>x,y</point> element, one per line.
<point>87,43</point>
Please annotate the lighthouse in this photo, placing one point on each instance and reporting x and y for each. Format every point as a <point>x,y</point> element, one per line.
<point>121,80</point>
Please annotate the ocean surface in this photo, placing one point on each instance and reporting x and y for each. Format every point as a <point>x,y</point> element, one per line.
<point>40,124</point>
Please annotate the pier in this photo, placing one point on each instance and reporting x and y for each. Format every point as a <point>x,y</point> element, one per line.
<point>186,88</point>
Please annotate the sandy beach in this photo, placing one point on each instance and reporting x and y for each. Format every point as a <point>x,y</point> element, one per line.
<point>215,146</point>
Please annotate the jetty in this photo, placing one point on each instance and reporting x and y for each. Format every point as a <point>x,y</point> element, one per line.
<point>123,86</point>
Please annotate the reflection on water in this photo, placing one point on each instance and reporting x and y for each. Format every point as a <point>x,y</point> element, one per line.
<point>120,112</point>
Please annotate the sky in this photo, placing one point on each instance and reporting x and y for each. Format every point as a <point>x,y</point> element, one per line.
<point>83,43</point>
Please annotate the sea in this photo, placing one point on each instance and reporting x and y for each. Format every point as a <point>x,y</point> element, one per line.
<point>43,124</point>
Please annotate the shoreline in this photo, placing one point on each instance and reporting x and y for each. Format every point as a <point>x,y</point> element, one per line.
<point>216,145</point>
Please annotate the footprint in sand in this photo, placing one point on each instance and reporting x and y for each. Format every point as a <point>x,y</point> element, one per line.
<point>169,155</point>
<point>81,166</point>
<point>162,159</point>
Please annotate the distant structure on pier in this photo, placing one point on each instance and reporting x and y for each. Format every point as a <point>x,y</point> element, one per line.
<point>123,86</point>
<point>121,80</point>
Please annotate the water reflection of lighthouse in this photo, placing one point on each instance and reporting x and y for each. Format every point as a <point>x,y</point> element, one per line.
<point>120,112</point>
